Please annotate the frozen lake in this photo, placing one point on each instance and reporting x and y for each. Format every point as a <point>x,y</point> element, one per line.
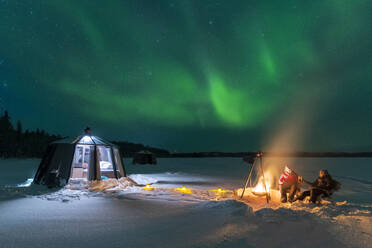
<point>131,217</point>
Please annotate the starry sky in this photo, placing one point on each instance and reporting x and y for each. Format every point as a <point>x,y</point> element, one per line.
<point>192,75</point>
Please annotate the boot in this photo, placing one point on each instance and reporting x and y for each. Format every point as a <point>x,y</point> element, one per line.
<point>283,194</point>
<point>283,198</point>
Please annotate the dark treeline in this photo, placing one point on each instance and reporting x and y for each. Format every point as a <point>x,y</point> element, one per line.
<point>14,142</point>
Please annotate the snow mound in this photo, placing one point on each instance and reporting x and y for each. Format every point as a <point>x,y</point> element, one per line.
<point>75,190</point>
<point>143,179</point>
<point>331,209</point>
<point>101,185</point>
<point>78,189</point>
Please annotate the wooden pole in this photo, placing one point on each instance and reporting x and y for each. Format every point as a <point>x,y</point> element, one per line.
<point>248,178</point>
<point>263,177</point>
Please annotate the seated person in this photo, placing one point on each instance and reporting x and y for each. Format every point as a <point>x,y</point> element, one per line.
<point>324,186</point>
<point>288,183</point>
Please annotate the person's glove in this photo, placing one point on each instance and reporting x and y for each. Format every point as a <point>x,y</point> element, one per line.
<point>300,179</point>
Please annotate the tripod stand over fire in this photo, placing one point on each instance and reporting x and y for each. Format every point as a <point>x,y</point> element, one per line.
<point>259,183</point>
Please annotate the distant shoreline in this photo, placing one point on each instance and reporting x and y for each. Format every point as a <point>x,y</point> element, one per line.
<point>244,155</point>
<point>269,154</point>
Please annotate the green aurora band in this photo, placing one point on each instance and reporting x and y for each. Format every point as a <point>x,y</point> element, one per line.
<point>204,67</point>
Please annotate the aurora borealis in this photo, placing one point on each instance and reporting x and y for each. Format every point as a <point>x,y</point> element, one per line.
<point>192,75</point>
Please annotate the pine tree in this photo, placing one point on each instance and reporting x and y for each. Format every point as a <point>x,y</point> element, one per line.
<point>5,123</point>
<point>19,128</point>
<point>6,136</point>
<point>19,150</point>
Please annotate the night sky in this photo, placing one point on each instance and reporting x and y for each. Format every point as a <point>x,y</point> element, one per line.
<point>196,75</point>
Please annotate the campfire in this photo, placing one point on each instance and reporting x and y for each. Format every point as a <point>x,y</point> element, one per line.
<point>262,188</point>
<point>259,181</point>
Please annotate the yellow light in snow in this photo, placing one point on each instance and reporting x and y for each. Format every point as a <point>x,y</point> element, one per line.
<point>220,190</point>
<point>184,190</point>
<point>148,187</point>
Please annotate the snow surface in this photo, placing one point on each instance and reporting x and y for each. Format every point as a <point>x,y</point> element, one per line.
<point>119,214</point>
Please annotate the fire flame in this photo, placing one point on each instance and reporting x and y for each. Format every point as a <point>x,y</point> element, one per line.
<point>260,186</point>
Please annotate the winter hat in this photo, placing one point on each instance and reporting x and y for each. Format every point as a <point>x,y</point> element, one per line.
<point>287,170</point>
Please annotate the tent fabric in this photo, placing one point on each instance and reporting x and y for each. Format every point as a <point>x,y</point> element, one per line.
<point>56,163</point>
<point>55,169</point>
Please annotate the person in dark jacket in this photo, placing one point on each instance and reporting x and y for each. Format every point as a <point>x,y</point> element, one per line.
<point>323,186</point>
<point>288,183</point>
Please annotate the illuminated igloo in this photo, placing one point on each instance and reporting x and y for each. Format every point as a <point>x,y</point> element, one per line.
<point>87,157</point>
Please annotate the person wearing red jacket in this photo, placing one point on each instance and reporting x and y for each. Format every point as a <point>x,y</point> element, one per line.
<point>288,183</point>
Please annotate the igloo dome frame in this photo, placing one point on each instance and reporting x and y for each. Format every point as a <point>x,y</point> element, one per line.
<point>87,157</point>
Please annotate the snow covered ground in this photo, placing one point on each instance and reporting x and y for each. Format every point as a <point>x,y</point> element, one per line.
<point>120,215</point>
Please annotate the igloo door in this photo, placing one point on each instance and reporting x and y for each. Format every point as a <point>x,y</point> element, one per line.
<point>105,158</point>
<point>81,161</point>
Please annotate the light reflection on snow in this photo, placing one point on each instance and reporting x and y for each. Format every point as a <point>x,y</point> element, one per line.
<point>27,183</point>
